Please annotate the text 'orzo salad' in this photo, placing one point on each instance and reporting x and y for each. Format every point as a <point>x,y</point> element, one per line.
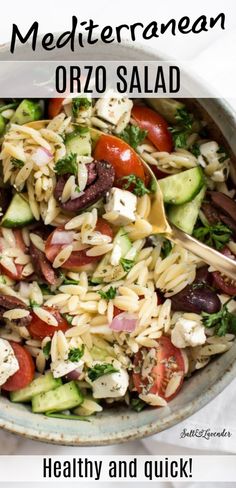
<point>95,308</point>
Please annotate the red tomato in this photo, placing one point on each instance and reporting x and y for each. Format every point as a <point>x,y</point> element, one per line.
<point>169,360</point>
<point>122,157</point>
<point>25,373</point>
<point>54,107</point>
<point>227,285</point>
<point>78,259</point>
<point>39,329</point>
<point>155,124</point>
<point>158,173</point>
<point>116,311</point>
<point>19,267</point>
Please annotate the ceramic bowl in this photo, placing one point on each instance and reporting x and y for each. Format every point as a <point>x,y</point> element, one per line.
<point>120,424</point>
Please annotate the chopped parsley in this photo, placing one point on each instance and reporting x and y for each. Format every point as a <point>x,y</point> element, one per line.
<point>137,404</point>
<point>224,155</point>
<point>166,248</point>
<point>33,304</point>
<point>17,163</point>
<point>68,317</point>
<point>100,370</point>
<point>76,354</point>
<point>223,321</point>
<point>67,281</point>
<point>215,235</point>
<point>80,103</point>
<point>139,187</point>
<point>183,128</point>
<point>133,135</point>
<point>66,165</point>
<point>127,264</point>
<point>109,294</point>
<point>47,349</point>
<point>45,289</point>
<point>195,150</point>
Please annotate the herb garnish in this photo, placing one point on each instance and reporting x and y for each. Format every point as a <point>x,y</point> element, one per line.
<point>127,264</point>
<point>224,154</point>
<point>101,370</point>
<point>215,235</point>
<point>195,150</point>
<point>47,349</point>
<point>76,354</point>
<point>223,321</point>
<point>67,281</point>
<point>80,103</point>
<point>33,304</point>
<point>133,135</point>
<point>137,404</point>
<point>166,248</point>
<point>17,163</point>
<point>139,186</point>
<point>66,165</point>
<point>109,294</point>
<point>183,128</point>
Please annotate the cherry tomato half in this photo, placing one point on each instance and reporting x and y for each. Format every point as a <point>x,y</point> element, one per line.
<point>155,124</point>
<point>17,276</point>
<point>39,329</point>
<point>25,373</point>
<point>224,283</point>
<point>122,157</point>
<point>78,260</point>
<point>54,107</point>
<point>169,360</point>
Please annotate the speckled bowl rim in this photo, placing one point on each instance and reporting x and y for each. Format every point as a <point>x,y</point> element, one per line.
<point>14,418</point>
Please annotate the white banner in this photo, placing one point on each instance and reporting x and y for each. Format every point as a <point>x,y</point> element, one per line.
<point>47,79</point>
<point>117,468</point>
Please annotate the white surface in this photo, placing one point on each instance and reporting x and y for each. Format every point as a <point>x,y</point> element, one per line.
<point>217,45</point>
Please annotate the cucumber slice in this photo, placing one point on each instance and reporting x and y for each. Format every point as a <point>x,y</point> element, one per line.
<point>2,125</point>
<point>62,398</point>
<point>106,272</point>
<point>26,112</point>
<point>182,187</point>
<point>18,213</point>
<point>167,107</point>
<point>42,384</point>
<point>185,216</point>
<point>79,142</point>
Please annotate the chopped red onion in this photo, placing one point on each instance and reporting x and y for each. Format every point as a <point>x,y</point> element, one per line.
<point>74,375</point>
<point>62,237</point>
<point>41,156</point>
<point>125,322</point>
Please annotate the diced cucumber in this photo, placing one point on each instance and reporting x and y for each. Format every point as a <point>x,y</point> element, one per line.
<point>182,187</point>
<point>42,384</point>
<point>62,398</point>
<point>167,107</point>
<point>104,271</point>
<point>79,142</point>
<point>27,111</point>
<point>185,216</point>
<point>18,213</point>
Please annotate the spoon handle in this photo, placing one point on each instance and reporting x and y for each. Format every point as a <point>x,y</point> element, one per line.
<point>212,257</point>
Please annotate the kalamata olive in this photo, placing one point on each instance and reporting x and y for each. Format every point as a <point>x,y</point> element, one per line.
<point>8,302</point>
<point>210,213</point>
<point>203,275</point>
<point>196,300</point>
<point>226,204</point>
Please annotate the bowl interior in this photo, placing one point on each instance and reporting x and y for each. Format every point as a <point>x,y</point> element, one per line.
<point>119,424</point>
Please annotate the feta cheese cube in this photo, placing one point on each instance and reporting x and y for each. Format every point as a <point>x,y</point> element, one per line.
<point>8,362</point>
<point>113,108</point>
<point>62,367</point>
<point>187,333</point>
<point>112,385</point>
<point>121,205</point>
